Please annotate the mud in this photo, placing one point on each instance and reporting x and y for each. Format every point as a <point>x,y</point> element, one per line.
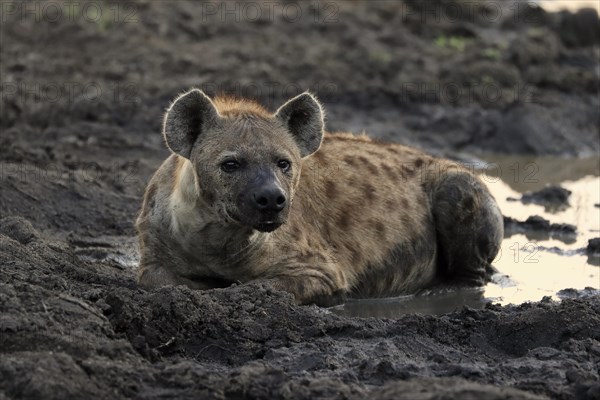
<point>538,228</point>
<point>74,329</point>
<point>593,247</point>
<point>80,116</point>
<point>553,197</point>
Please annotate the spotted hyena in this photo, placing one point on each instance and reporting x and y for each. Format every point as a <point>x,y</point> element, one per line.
<point>248,194</point>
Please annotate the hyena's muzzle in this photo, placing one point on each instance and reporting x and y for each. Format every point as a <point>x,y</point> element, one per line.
<point>263,203</point>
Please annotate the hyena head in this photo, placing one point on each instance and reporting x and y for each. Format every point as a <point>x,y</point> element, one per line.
<point>247,161</point>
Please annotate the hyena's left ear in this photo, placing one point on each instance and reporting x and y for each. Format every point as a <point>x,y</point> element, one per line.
<point>304,119</point>
<point>190,115</point>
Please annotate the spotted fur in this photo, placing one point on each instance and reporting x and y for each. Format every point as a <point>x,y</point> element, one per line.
<point>365,219</point>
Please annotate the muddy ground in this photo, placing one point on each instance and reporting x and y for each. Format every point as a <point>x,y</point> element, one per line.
<point>80,114</point>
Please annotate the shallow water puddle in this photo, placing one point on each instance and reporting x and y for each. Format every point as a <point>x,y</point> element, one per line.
<point>540,266</point>
<point>531,265</point>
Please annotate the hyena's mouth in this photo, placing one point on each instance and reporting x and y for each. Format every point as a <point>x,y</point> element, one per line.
<point>267,226</point>
<point>263,222</point>
<point>260,223</point>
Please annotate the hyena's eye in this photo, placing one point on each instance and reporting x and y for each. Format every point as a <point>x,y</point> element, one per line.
<point>284,165</point>
<point>230,166</point>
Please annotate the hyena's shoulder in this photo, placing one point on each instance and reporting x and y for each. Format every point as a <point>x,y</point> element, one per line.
<point>160,190</point>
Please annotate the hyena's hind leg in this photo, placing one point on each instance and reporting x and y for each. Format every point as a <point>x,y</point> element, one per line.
<point>469,228</point>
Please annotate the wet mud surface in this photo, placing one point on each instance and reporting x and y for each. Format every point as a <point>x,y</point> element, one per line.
<point>73,166</point>
<point>537,227</point>
<point>553,198</point>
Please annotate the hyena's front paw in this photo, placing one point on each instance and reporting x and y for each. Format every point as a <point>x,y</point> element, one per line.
<point>310,290</point>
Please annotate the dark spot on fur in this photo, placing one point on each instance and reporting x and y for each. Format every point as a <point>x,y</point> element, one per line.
<point>369,165</point>
<point>344,221</point>
<point>330,189</point>
<point>392,150</point>
<point>389,204</point>
<point>405,203</point>
<point>406,171</point>
<point>418,162</point>
<point>389,172</point>
<point>346,215</point>
<point>379,229</point>
<point>369,192</point>
<point>350,160</point>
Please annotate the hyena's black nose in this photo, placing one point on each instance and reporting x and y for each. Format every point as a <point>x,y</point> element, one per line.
<point>269,198</point>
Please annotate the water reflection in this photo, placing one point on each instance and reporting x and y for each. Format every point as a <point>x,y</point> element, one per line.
<point>430,303</point>
<point>571,5</point>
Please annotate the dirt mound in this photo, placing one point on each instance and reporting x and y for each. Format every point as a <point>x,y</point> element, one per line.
<point>73,329</point>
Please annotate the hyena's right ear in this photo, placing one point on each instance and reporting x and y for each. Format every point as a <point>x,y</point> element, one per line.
<point>190,114</point>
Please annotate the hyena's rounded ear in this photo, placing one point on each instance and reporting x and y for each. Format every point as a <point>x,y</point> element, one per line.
<point>189,115</point>
<point>304,118</point>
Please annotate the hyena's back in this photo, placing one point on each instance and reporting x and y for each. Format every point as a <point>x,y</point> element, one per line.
<point>371,206</point>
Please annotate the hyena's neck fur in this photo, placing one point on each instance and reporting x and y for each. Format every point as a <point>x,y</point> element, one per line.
<point>194,224</point>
